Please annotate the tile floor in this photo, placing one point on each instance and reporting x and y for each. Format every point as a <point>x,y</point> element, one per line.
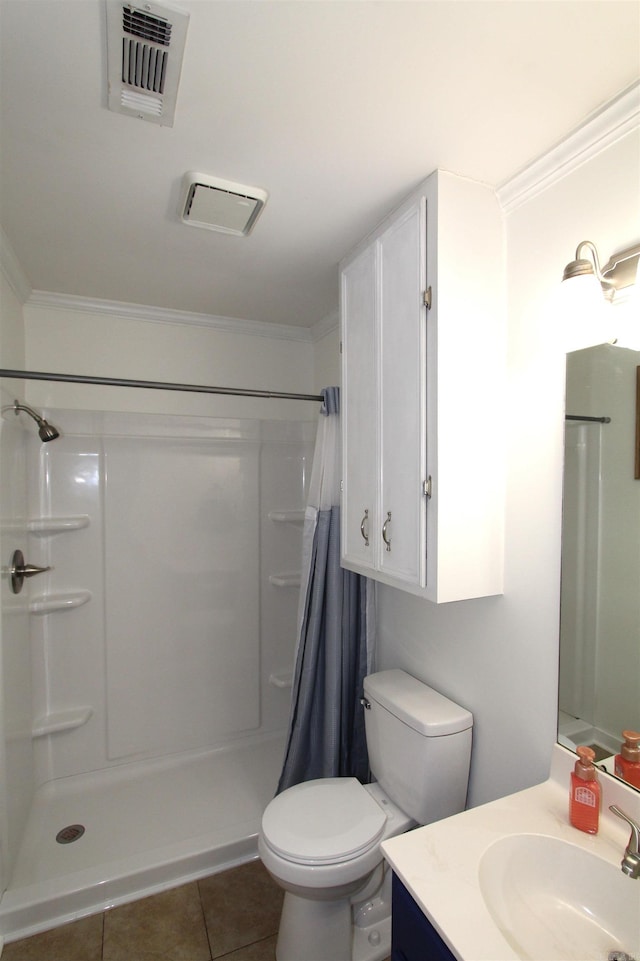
<point>233,916</point>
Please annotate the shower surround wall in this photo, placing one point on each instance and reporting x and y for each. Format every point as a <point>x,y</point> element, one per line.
<point>16,767</point>
<point>161,641</point>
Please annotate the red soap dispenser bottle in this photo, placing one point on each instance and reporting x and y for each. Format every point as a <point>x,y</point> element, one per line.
<point>627,762</point>
<point>584,799</point>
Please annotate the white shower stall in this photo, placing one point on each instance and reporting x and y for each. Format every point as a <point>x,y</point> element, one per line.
<point>162,643</point>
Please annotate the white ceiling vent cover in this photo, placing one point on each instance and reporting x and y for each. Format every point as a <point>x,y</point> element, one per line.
<point>220,204</point>
<point>145,46</point>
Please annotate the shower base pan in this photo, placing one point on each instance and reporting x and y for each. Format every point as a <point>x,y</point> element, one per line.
<point>147,827</point>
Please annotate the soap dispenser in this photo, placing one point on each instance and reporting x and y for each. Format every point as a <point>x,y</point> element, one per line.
<point>627,762</point>
<point>584,799</point>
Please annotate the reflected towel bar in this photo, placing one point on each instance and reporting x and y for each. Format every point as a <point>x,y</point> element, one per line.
<point>599,420</point>
<point>155,385</point>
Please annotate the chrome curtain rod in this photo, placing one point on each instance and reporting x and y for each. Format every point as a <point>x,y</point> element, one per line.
<point>599,420</point>
<point>154,385</point>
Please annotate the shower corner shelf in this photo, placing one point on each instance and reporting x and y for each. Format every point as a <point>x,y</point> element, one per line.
<point>287,517</point>
<point>48,603</point>
<point>61,721</point>
<point>45,526</point>
<point>285,580</point>
<point>281,679</point>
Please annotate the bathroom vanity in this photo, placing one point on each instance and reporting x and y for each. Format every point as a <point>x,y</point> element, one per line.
<point>482,885</point>
<point>414,938</point>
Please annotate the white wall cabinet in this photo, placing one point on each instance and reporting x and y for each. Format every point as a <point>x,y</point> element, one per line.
<point>423,425</point>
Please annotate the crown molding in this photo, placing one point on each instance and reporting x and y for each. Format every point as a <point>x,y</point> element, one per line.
<point>326,325</point>
<point>10,266</point>
<point>604,127</point>
<point>161,315</point>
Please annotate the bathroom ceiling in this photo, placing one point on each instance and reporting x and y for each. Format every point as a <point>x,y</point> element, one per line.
<point>337,109</point>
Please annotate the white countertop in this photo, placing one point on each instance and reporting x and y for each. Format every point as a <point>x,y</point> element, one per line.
<point>439,863</point>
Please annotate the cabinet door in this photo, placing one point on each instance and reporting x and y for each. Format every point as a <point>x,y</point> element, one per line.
<point>402,278</point>
<point>359,409</point>
<point>413,937</point>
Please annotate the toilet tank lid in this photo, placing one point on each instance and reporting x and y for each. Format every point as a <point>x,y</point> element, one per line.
<point>416,704</point>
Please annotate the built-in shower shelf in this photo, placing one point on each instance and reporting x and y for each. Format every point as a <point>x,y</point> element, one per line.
<point>282,679</point>
<point>61,721</point>
<point>287,517</point>
<point>285,580</point>
<point>48,603</point>
<point>56,525</point>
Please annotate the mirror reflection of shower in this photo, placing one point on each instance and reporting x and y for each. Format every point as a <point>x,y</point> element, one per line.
<point>46,431</point>
<point>600,604</point>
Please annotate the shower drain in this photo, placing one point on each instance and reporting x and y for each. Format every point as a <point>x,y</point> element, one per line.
<point>71,833</point>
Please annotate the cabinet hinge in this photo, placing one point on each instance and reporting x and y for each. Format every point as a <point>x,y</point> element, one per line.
<point>426,298</point>
<point>340,346</point>
<point>426,487</point>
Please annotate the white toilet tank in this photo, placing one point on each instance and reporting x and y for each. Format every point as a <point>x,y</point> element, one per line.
<point>419,745</point>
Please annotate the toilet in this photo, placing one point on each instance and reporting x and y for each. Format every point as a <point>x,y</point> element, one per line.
<point>320,840</point>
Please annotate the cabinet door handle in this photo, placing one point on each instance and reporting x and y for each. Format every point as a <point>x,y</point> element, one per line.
<point>365,534</point>
<point>385,526</point>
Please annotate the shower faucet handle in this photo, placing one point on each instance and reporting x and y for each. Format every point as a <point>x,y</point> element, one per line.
<point>19,570</point>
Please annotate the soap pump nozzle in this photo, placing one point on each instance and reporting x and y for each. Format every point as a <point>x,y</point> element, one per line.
<point>584,767</point>
<point>630,750</point>
<point>627,761</point>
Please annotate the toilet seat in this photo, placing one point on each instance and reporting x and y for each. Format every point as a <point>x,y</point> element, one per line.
<point>326,821</point>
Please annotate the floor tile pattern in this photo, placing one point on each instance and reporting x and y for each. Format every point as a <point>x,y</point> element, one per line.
<point>232,916</point>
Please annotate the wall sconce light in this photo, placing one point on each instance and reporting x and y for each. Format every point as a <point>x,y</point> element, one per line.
<point>593,290</point>
<point>619,272</point>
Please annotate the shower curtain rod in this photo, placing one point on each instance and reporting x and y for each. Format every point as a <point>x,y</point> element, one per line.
<point>192,388</point>
<point>599,420</point>
<point>154,385</point>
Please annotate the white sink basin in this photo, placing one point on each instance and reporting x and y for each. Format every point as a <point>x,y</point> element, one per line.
<point>552,900</point>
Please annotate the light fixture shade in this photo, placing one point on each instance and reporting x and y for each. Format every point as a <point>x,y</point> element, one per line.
<point>588,292</point>
<point>578,268</point>
<point>585,316</point>
<point>627,314</point>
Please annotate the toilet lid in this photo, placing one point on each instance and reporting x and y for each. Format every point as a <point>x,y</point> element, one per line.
<point>327,820</point>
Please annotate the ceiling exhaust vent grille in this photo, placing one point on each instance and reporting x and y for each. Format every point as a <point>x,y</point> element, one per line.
<point>143,66</point>
<point>220,204</point>
<point>145,48</point>
<point>141,25</point>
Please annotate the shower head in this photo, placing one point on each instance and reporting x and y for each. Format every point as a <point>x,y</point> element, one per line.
<point>45,430</point>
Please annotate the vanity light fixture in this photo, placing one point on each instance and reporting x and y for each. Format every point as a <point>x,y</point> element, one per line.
<point>619,272</point>
<point>586,302</point>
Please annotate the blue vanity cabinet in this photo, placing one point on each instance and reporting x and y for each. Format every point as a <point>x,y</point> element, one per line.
<point>413,938</point>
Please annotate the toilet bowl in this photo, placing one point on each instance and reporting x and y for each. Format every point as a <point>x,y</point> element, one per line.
<point>326,834</point>
<point>320,840</point>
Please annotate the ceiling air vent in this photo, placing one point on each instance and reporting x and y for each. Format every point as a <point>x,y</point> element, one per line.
<point>220,204</point>
<point>145,46</point>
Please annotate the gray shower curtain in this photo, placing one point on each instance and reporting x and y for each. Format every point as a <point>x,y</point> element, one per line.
<point>326,735</point>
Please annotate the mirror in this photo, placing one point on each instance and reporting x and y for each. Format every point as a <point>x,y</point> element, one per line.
<point>599,693</point>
